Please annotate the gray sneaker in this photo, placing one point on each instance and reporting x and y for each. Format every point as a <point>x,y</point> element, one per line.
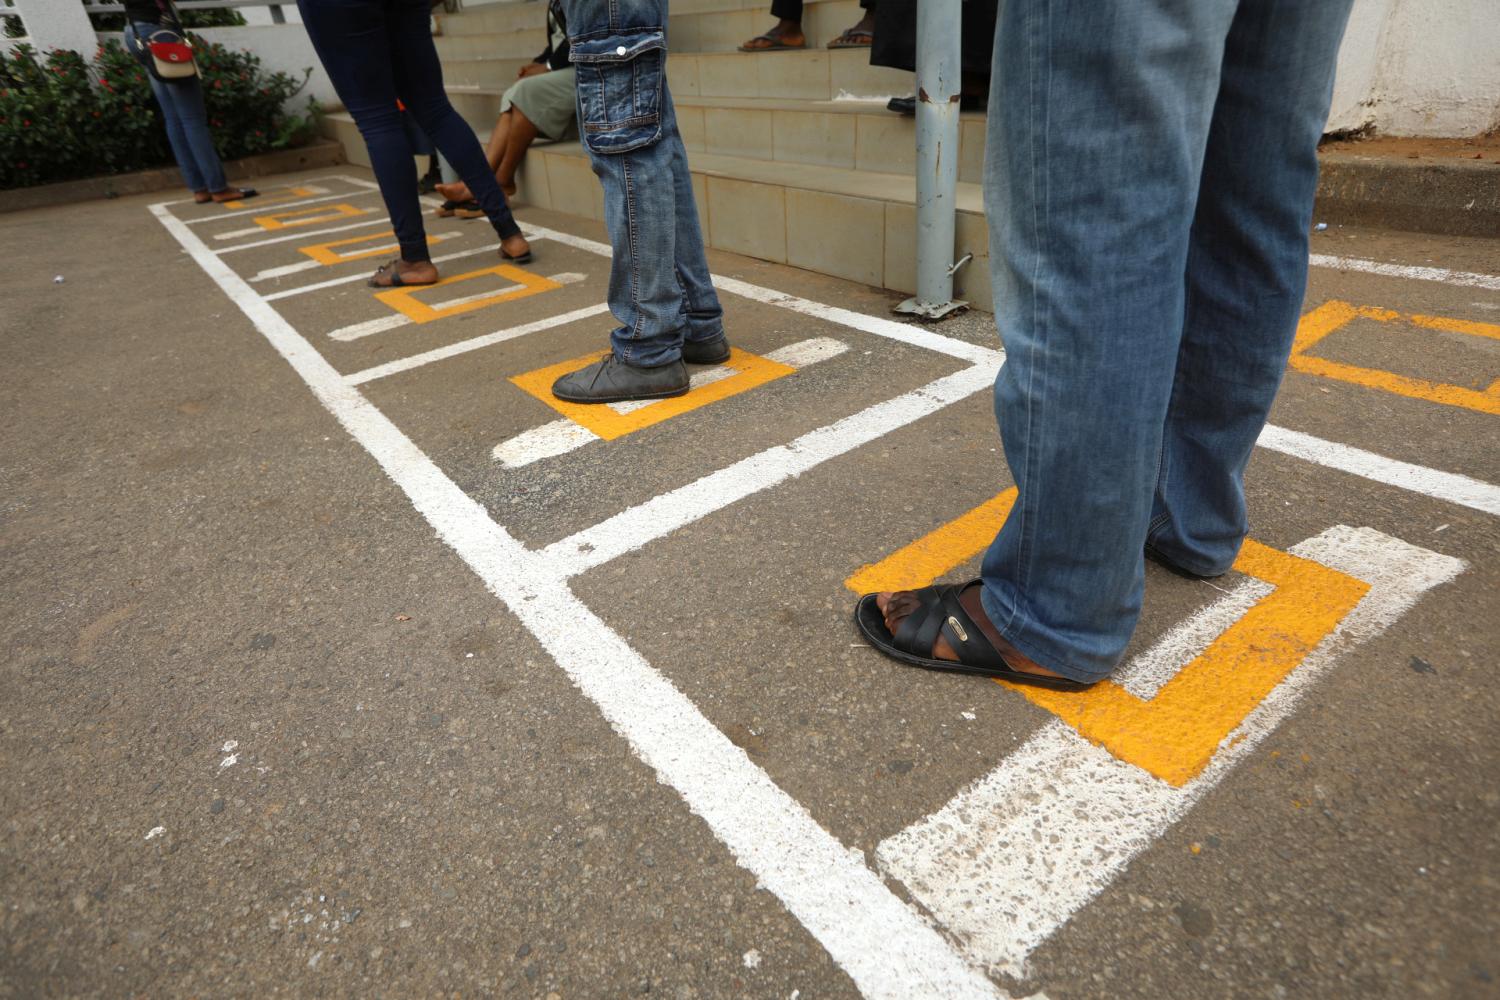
<point>706,352</point>
<point>614,381</point>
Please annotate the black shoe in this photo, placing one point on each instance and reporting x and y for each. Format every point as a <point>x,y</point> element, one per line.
<point>706,352</point>
<point>902,105</point>
<point>614,381</point>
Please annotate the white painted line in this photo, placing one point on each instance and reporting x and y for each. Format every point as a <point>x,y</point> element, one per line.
<point>302,235</point>
<point>1469,278</point>
<point>798,355</point>
<point>1449,486</point>
<point>274,208</point>
<point>307,265</point>
<point>349,278</point>
<point>381,324</point>
<point>664,514</point>
<point>369,327</point>
<point>890,329</point>
<point>1012,857</point>
<point>1146,674</point>
<point>474,344</point>
<point>310,182</point>
<point>822,883</point>
<point>285,269</point>
<point>557,438</point>
<point>697,380</point>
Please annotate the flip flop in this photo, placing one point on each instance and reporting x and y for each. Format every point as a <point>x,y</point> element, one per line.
<point>525,258</point>
<point>392,271</point>
<point>233,194</point>
<point>847,40</point>
<point>941,612</point>
<point>777,45</point>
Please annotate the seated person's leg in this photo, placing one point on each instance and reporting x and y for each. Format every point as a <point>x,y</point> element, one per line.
<point>788,31</point>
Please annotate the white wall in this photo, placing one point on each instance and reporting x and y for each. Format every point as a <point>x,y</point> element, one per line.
<point>1420,67</point>
<point>283,47</point>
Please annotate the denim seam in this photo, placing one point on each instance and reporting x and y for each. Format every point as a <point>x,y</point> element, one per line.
<point>635,256</point>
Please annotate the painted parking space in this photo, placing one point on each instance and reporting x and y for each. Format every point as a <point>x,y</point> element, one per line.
<point>1298,606</point>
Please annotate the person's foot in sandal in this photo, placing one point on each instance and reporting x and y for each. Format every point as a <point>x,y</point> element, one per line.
<point>515,249</point>
<point>398,273</point>
<point>861,36</point>
<point>458,192</point>
<point>230,194</point>
<point>946,628</point>
<point>786,36</point>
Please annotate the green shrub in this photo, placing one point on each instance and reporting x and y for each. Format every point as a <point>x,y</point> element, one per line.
<point>62,118</point>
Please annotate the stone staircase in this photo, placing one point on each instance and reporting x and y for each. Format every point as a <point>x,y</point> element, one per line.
<point>789,164</point>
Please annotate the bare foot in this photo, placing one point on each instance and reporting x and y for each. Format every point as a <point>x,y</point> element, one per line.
<point>509,190</point>
<point>515,247</point>
<point>411,272</point>
<point>786,33</point>
<point>896,606</point>
<point>457,191</point>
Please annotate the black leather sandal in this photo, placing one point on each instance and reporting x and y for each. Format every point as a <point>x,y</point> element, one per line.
<point>941,612</point>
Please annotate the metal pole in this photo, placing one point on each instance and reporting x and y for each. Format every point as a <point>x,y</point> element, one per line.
<point>939,23</point>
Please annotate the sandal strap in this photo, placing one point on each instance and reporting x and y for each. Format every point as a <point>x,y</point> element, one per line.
<point>919,630</point>
<point>963,633</point>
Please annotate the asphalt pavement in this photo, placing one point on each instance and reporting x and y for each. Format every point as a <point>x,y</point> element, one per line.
<point>342,661</point>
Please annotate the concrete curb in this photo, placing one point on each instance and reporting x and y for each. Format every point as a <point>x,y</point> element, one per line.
<point>320,153</point>
<point>1446,198</point>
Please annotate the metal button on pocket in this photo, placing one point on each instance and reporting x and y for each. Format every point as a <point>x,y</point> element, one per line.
<point>620,51</point>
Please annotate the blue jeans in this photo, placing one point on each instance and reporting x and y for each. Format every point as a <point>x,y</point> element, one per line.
<point>181,103</point>
<point>1149,182</point>
<point>660,290</point>
<point>378,51</point>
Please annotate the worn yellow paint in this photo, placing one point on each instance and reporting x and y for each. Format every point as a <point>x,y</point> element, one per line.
<point>405,301</point>
<point>307,216</point>
<point>1334,314</point>
<point>292,194</point>
<point>750,370</point>
<point>324,253</point>
<point>1175,734</point>
<point>936,552</point>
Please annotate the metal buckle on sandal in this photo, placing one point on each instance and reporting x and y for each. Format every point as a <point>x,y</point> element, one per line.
<point>959,629</point>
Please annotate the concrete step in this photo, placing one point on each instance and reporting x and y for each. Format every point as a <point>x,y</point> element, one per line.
<point>706,26</point>
<point>846,220</point>
<point>485,74</point>
<point>857,225</point>
<point>859,135</point>
<point>524,45</point>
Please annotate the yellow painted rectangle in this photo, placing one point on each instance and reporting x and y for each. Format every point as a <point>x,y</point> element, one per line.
<point>750,370</point>
<point>1175,734</point>
<point>307,216</point>
<point>936,552</point>
<point>1332,315</point>
<point>324,253</point>
<point>292,194</point>
<point>405,301</point>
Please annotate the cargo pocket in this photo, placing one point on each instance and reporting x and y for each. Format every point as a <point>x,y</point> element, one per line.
<point>619,88</point>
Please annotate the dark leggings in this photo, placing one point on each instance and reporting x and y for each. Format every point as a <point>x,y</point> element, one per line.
<point>376,51</point>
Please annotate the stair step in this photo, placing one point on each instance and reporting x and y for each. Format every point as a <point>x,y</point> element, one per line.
<point>861,135</point>
<point>706,26</point>
<point>857,225</point>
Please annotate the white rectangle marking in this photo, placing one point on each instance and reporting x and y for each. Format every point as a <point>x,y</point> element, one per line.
<point>821,882</point>
<point>474,344</point>
<point>1012,857</point>
<point>1468,278</point>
